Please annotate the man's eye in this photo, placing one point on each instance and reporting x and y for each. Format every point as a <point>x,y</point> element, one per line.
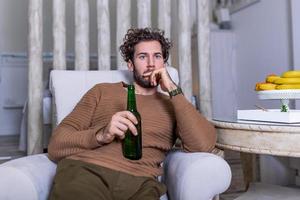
<point>158,56</point>
<point>142,57</point>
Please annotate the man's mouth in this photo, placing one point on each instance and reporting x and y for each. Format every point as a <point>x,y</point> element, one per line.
<point>147,73</point>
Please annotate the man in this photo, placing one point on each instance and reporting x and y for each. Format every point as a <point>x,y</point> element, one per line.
<point>87,143</point>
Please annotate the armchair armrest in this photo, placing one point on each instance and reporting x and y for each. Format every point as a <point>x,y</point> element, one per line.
<point>27,178</point>
<point>195,176</point>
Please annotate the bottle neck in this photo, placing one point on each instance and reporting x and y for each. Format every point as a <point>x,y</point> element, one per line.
<point>131,103</point>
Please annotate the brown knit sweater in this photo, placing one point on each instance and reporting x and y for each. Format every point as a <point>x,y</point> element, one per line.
<point>162,117</point>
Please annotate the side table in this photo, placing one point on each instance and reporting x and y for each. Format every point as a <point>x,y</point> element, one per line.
<point>257,138</point>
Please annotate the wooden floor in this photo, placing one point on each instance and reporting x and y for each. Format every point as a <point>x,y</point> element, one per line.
<point>9,150</point>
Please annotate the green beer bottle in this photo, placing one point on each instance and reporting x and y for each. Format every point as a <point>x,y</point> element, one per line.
<point>132,145</point>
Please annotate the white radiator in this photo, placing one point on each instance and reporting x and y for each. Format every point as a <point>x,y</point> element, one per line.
<point>13,92</point>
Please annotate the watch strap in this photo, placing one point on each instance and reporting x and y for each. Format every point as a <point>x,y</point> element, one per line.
<point>175,92</point>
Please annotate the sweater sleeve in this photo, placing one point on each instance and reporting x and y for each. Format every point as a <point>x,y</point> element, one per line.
<point>197,134</point>
<point>75,134</point>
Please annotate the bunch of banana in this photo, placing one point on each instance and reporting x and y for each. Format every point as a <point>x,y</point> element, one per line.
<point>291,74</point>
<point>271,78</point>
<point>288,80</point>
<point>269,84</point>
<point>265,86</point>
<point>288,87</point>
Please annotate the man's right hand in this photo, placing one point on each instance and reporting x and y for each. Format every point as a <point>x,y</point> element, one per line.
<point>117,127</point>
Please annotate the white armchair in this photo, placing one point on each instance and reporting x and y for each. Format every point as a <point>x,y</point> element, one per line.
<point>188,176</point>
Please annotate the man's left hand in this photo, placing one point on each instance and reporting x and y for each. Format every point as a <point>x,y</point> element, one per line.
<point>162,77</point>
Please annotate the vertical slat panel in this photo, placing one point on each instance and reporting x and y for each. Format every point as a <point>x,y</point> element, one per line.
<point>123,23</point>
<point>164,19</point>
<point>184,48</point>
<point>103,35</point>
<point>144,13</point>
<point>204,58</point>
<point>59,34</point>
<point>35,78</point>
<point>81,35</point>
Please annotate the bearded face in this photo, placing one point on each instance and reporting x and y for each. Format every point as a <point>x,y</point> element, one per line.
<point>147,58</point>
<point>141,80</point>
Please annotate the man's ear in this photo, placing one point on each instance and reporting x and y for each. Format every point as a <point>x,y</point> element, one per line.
<point>130,66</point>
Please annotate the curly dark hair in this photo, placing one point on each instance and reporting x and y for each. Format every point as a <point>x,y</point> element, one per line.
<point>136,35</point>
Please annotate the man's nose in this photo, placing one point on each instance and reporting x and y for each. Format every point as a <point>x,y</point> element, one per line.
<point>151,62</point>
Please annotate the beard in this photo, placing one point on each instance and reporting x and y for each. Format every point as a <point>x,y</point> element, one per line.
<point>141,81</point>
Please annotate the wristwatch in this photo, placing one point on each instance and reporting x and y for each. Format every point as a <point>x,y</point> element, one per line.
<point>174,92</point>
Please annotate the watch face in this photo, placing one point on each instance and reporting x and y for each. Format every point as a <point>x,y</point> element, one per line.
<point>175,92</point>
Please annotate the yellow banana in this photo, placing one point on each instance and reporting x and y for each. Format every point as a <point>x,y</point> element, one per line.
<point>271,78</point>
<point>291,74</point>
<point>280,81</point>
<point>288,86</point>
<point>257,86</point>
<point>264,86</point>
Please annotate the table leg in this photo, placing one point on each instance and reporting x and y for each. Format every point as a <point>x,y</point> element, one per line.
<point>249,166</point>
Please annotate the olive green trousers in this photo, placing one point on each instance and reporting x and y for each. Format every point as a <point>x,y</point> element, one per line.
<point>77,180</point>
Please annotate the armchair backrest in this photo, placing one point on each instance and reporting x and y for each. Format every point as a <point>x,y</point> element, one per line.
<point>67,87</point>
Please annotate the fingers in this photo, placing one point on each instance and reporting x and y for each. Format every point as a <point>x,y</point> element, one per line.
<point>121,122</point>
<point>121,126</point>
<point>114,132</point>
<point>129,115</point>
<point>147,74</point>
<point>161,77</point>
<point>117,127</point>
<point>128,125</point>
<point>158,76</point>
<point>155,78</point>
<point>119,134</point>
